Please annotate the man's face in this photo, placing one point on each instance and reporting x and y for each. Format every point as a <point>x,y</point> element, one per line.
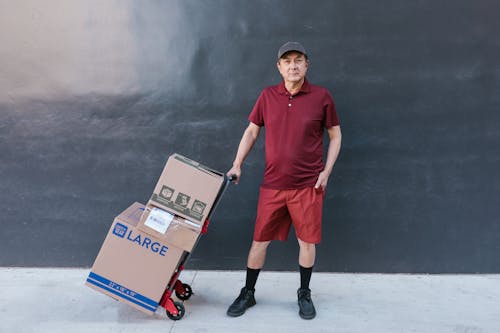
<point>293,66</point>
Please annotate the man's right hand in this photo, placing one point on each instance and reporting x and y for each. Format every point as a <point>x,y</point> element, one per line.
<point>236,171</point>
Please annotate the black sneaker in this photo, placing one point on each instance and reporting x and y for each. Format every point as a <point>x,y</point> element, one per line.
<point>306,305</point>
<point>245,300</point>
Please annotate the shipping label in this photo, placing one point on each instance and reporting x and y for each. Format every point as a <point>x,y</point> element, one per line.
<point>159,220</point>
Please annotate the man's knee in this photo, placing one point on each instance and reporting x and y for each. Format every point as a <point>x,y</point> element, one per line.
<point>259,247</point>
<point>257,255</point>
<point>307,254</point>
<point>306,246</point>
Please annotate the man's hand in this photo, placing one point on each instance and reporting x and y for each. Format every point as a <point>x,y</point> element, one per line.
<point>333,152</point>
<point>235,171</point>
<point>322,180</point>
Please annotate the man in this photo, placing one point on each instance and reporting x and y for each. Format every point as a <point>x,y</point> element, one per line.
<point>295,114</point>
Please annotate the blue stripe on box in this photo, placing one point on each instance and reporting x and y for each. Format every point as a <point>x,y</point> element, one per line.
<point>125,293</point>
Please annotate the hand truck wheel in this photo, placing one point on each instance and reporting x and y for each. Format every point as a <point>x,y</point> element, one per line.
<point>180,311</point>
<point>184,292</point>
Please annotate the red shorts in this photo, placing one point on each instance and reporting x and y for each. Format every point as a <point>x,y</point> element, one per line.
<point>278,209</point>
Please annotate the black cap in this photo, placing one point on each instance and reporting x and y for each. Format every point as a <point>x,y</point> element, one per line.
<point>291,46</point>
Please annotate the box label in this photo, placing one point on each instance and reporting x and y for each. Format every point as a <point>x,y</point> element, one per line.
<point>182,200</point>
<point>199,207</point>
<point>122,292</point>
<point>181,205</point>
<point>122,231</point>
<point>166,192</point>
<point>159,220</point>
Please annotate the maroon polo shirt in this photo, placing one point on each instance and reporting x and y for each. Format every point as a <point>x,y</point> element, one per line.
<point>294,133</point>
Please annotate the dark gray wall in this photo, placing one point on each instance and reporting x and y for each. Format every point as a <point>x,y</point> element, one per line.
<point>94,96</point>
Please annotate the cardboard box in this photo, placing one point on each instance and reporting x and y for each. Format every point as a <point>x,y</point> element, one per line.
<point>132,266</point>
<point>187,188</point>
<point>173,229</point>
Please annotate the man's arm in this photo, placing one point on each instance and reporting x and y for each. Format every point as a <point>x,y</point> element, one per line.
<point>333,152</point>
<point>247,141</point>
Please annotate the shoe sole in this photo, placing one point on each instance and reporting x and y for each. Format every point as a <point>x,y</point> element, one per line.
<point>303,316</point>
<point>237,314</point>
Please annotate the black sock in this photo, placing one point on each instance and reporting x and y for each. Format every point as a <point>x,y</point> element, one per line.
<point>305,277</point>
<point>252,275</point>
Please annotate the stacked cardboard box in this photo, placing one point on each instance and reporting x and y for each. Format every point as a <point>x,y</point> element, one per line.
<point>145,243</point>
<point>181,201</point>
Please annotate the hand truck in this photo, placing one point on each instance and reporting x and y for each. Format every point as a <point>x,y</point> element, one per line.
<point>175,310</point>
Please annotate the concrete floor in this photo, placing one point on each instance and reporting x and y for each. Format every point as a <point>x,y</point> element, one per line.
<point>56,300</point>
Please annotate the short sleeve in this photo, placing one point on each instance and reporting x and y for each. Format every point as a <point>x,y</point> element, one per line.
<point>330,114</point>
<point>257,114</point>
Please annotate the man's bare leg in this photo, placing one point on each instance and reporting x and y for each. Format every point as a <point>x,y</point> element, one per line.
<point>256,260</point>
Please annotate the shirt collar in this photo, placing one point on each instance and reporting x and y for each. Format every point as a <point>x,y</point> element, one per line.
<point>304,89</point>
